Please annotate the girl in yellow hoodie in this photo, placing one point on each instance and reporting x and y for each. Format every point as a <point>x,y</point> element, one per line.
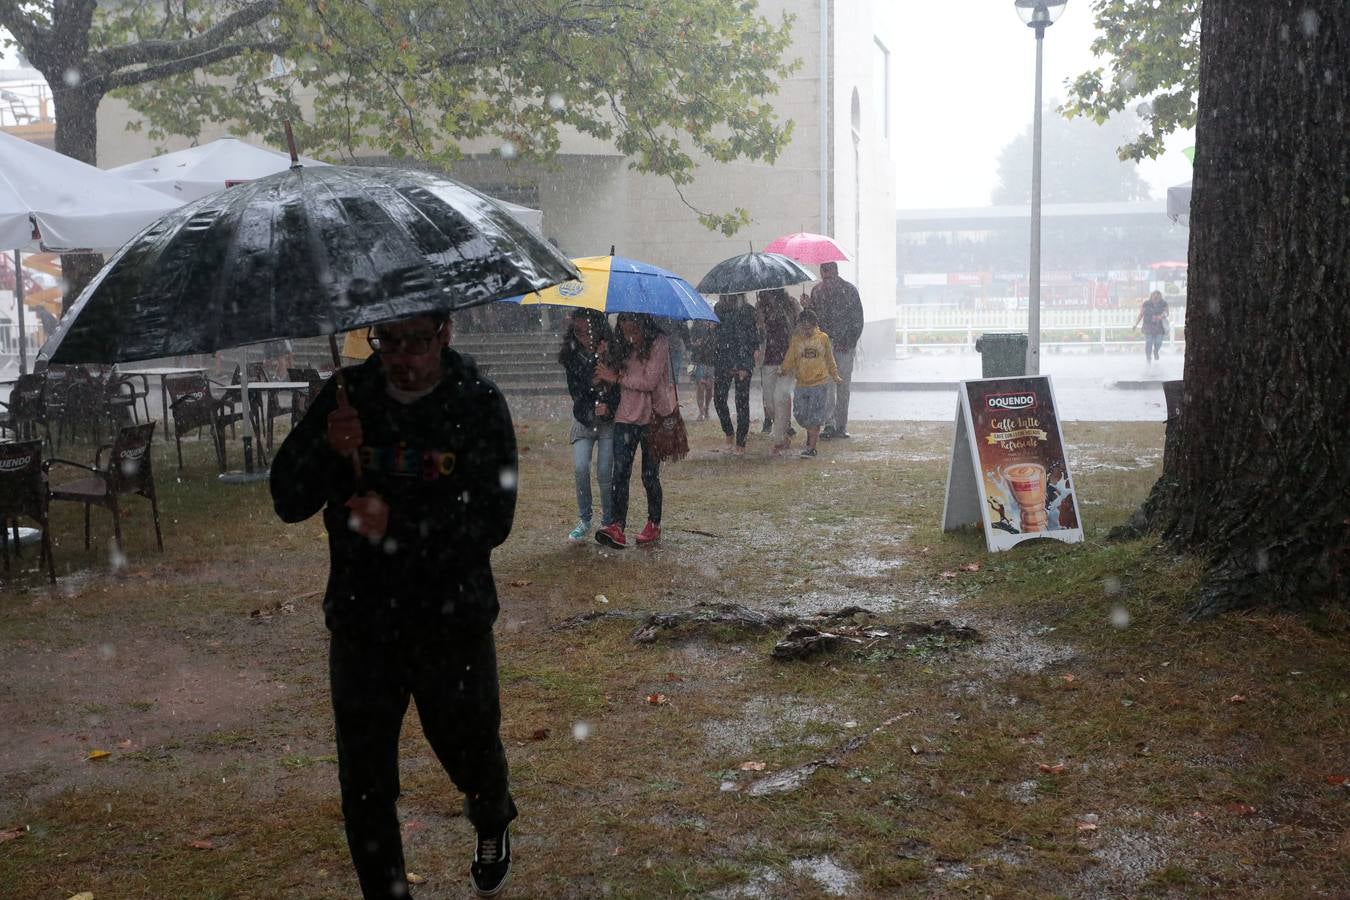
<point>810,359</point>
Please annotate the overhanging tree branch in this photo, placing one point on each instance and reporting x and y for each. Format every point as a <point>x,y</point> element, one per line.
<point>172,52</point>
<point>179,66</point>
<point>33,39</point>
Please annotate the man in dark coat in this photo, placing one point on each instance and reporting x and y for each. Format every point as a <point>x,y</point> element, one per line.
<point>736,344</point>
<point>837,304</point>
<point>412,458</point>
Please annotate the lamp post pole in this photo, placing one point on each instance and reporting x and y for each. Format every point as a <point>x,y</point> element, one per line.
<point>1033,365</point>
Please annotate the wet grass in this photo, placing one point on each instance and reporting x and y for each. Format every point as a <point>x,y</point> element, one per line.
<point>631,763</point>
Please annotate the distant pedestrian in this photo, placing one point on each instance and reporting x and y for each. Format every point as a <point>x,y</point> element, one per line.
<point>678,333</point>
<point>638,361</point>
<point>777,317</point>
<point>594,403</point>
<point>811,360</point>
<point>839,308</point>
<point>737,344</point>
<point>703,349</point>
<point>1153,314</point>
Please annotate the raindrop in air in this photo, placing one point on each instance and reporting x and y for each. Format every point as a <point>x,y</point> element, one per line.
<point>509,479</point>
<point>116,558</point>
<point>106,651</point>
<point>1310,23</point>
<point>1120,617</point>
<point>508,150</point>
<point>581,730</point>
<point>555,102</point>
<point>1112,584</point>
<point>72,77</point>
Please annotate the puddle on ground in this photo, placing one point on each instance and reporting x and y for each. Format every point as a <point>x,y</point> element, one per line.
<point>832,878</point>
<point>1021,652</point>
<point>769,722</point>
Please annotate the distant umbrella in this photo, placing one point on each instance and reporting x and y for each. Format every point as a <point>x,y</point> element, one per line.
<point>808,248</point>
<point>301,253</point>
<point>753,272</point>
<point>615,284</point>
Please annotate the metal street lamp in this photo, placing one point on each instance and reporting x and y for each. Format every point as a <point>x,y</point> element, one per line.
<point>1040,15</point>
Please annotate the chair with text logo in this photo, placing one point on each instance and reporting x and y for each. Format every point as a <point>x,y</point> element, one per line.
<point>193,408</point>
<point>26,412</point>
<point>23,492</point>
<point>127,471</point>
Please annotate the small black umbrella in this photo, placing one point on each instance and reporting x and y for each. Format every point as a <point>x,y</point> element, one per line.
<point>301,253</point>
<point>753,272</point>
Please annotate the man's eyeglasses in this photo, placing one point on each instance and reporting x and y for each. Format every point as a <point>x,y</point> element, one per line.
<point>408,343</point>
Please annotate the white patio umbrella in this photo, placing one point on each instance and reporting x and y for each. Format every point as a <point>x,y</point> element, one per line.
<point>52,202</point>
<point>197,171</point>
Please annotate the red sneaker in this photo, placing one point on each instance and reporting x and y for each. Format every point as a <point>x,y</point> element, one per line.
<point>612,536</point>
<point>650,535</point>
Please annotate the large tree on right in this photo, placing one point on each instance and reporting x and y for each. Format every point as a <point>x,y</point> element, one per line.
<point>1257,477</point>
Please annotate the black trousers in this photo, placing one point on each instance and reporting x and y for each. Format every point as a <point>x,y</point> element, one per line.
<point>453,678</point>
<point>626,440</point>
<point>722,381</point>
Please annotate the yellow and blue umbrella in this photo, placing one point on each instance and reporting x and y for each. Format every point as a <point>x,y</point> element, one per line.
<point>616,284</point>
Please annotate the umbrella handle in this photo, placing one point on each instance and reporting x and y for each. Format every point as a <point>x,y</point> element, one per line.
<point>342,386</point>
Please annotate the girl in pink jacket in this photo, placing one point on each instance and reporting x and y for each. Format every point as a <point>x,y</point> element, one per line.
<point>639,361</point>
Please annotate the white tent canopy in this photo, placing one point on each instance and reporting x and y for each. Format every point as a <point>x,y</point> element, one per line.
<point>74,205</point>
<point>197,171</point>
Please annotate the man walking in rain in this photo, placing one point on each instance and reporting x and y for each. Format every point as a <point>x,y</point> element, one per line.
<point>837,304</point>
<point>412,458</point>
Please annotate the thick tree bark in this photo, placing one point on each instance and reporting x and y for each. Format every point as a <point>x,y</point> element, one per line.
<point>1260,480</point>
<point>76,137</point>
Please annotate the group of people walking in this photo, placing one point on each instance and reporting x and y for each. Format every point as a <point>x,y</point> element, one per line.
<point>621,378</point>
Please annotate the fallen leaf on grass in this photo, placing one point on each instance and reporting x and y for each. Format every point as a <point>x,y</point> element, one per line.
<point>601,598</point>
<point>948,575</point>
<point>521,582</point>
<point>1070,677</point>
<point>124,745</point>
<point>672,677</point>
<point>1338,780</point>
<point>1240,809</point>
<point>98,754</point>
<point>617,851</point>
<point>658,699</point>
<point>539,734</point>
<point>1238,698</point>
<point>1055,769</point>
<point>1087,826</point>
<point>82,895</point>
<point>414,878</point>
<point>9,834</point>
<point>751,767</point>
<point>202,845</point>
<point>971,567</point>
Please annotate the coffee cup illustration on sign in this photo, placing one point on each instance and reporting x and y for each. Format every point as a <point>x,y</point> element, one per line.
<point>1027,482</point>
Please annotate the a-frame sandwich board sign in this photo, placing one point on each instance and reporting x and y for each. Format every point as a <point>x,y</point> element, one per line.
<point>1008,469</point>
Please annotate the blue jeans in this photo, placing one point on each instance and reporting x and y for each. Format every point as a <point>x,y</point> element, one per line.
<point>1152,344</point>
<point>626,440</point>
<point>603,445</point>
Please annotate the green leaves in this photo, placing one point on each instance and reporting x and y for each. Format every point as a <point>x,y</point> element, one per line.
<point>666,81</point>
<point>1152,48</point>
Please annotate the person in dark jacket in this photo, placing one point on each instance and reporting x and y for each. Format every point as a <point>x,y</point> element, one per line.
<point>411,456</point>
<point>736,343</point>
<point>840,310</point>
<point>593,405</point>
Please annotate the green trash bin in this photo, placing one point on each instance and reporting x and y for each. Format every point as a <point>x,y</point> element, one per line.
<point>1002,354</point>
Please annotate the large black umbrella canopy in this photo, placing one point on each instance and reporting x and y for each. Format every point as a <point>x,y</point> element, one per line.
<point>753,272</point>
<point>302,253</point>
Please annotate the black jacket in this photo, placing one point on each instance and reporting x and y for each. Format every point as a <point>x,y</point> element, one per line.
<point>445,464</point>
<point>840,309</point>
<point>580,367</point>
<point>736,338</point>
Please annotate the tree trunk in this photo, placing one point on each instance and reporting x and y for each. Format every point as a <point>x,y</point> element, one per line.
<point>76,137</point>
<point>1260,480</point>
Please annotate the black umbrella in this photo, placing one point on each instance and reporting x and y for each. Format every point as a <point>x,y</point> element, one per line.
<point>301,253</point>
<point>753,272</point>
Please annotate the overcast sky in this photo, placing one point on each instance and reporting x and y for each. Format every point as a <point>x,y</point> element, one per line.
<point>963,86</point>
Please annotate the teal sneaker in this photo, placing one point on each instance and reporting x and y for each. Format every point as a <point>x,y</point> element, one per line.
<point>581,532</point>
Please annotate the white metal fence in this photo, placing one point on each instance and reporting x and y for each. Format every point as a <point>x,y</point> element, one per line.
<point>926,326</point>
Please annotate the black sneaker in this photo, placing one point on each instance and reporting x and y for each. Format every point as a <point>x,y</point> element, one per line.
<point>840,435</point>
<point>827,432</point>
<point>491,863</point>
<point>809,452</point>
<point>768,426</point>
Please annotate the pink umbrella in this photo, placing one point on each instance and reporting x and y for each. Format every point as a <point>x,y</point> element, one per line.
<point>808,248</point>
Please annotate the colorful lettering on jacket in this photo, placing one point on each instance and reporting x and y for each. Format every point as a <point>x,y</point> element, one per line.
<point>408,462</point>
